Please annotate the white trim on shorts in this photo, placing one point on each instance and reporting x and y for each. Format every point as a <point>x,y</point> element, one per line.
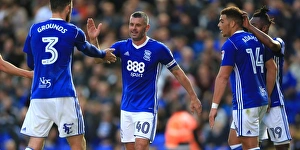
<point>65,112</point>
<point>137,125</point>
<point>275,121</point>
<point>246,121</point>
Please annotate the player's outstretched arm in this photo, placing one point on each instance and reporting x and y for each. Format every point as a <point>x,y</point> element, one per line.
<point>13,70</point>
<point>219,89</point>
<point>93,32</point>
<point>271,77</point>
<point>195,104</point>
<point>263,37</point>
<point>109,57</point>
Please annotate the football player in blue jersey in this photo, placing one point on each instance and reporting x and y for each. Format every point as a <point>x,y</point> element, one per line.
<point>9,68</point>
<point>275,119</point>
<point>49,47</point>
<point>141,60</point>
<point>243,63</point>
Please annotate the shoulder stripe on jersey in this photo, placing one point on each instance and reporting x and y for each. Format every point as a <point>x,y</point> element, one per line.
<point>76,32</point>
<point>233,44</point>
<point>158,70</point>
<point>238,88</point>
<point>239,98</point>
<point>285,122</point>
<point>30,30</point>
<point>279,92</point>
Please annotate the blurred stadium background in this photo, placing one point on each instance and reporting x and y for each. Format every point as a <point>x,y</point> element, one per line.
<point>187,27</point>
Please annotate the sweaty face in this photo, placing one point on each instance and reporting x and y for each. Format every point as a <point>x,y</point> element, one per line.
<point>137,28</point>
<point>224,26</point>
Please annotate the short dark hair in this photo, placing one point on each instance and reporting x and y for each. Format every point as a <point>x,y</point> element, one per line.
<point>234,13</point>
<point>59,5</point>
<point>140,14</point>
<point>262,13</point>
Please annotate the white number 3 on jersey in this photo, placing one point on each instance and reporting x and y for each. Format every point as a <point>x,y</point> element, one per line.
<point>50,49</point>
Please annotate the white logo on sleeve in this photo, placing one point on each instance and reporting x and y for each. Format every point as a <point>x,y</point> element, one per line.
<point>223,52</point>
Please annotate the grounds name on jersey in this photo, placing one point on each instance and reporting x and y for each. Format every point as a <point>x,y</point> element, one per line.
<point>52,26</point>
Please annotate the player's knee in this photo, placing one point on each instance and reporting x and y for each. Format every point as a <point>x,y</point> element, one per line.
<point>232,141</point>
<point>77,142</point>
<point>282,146</point>
<point>141,143</point>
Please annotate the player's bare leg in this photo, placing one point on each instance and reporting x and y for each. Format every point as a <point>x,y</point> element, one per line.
<point>249,142</point>
<point>36,143</point>
<point>142,144</point>
<point>233,140</point>
<point>282,147</point>
<point>77,142</point>
<point>129,146</point>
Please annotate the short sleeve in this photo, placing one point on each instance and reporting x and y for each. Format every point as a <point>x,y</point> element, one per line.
<point>228,54</point>
<point>80,40</point>
<point>166,56</point>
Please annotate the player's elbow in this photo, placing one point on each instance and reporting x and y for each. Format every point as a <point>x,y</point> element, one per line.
<point>222,77</point>
<point>275,47</point>
<point>2,66</point>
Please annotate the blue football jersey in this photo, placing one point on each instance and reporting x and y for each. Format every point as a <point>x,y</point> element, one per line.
<point>246,55</point>
<point>49,47</point>
<point>141,66</point>
<point>277,97</point>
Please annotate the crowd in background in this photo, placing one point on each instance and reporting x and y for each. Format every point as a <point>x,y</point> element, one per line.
<point>188,27</point>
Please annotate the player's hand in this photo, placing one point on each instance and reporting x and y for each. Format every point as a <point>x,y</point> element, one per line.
<point>212,116</point>
<point>98,60</point>
<point>246,22</point>
<point>109,57</point>
<point>92,31</point>
<point>196,105</point>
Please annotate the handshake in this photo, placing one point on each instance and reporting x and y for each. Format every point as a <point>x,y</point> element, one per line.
<point>109,57</point>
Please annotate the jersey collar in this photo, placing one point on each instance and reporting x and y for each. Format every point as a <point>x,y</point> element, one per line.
<point>55,19</point>
<point>137,47</point>
<point>238,31</point>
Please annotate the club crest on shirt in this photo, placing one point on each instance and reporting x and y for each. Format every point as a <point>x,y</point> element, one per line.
<point>147,55</point>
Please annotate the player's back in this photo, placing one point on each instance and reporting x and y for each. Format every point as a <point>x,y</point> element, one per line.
<point>248,75</point>
<point>52,44</point>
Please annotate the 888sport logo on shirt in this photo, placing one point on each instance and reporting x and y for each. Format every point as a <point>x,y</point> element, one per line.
<point>136,68</point>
